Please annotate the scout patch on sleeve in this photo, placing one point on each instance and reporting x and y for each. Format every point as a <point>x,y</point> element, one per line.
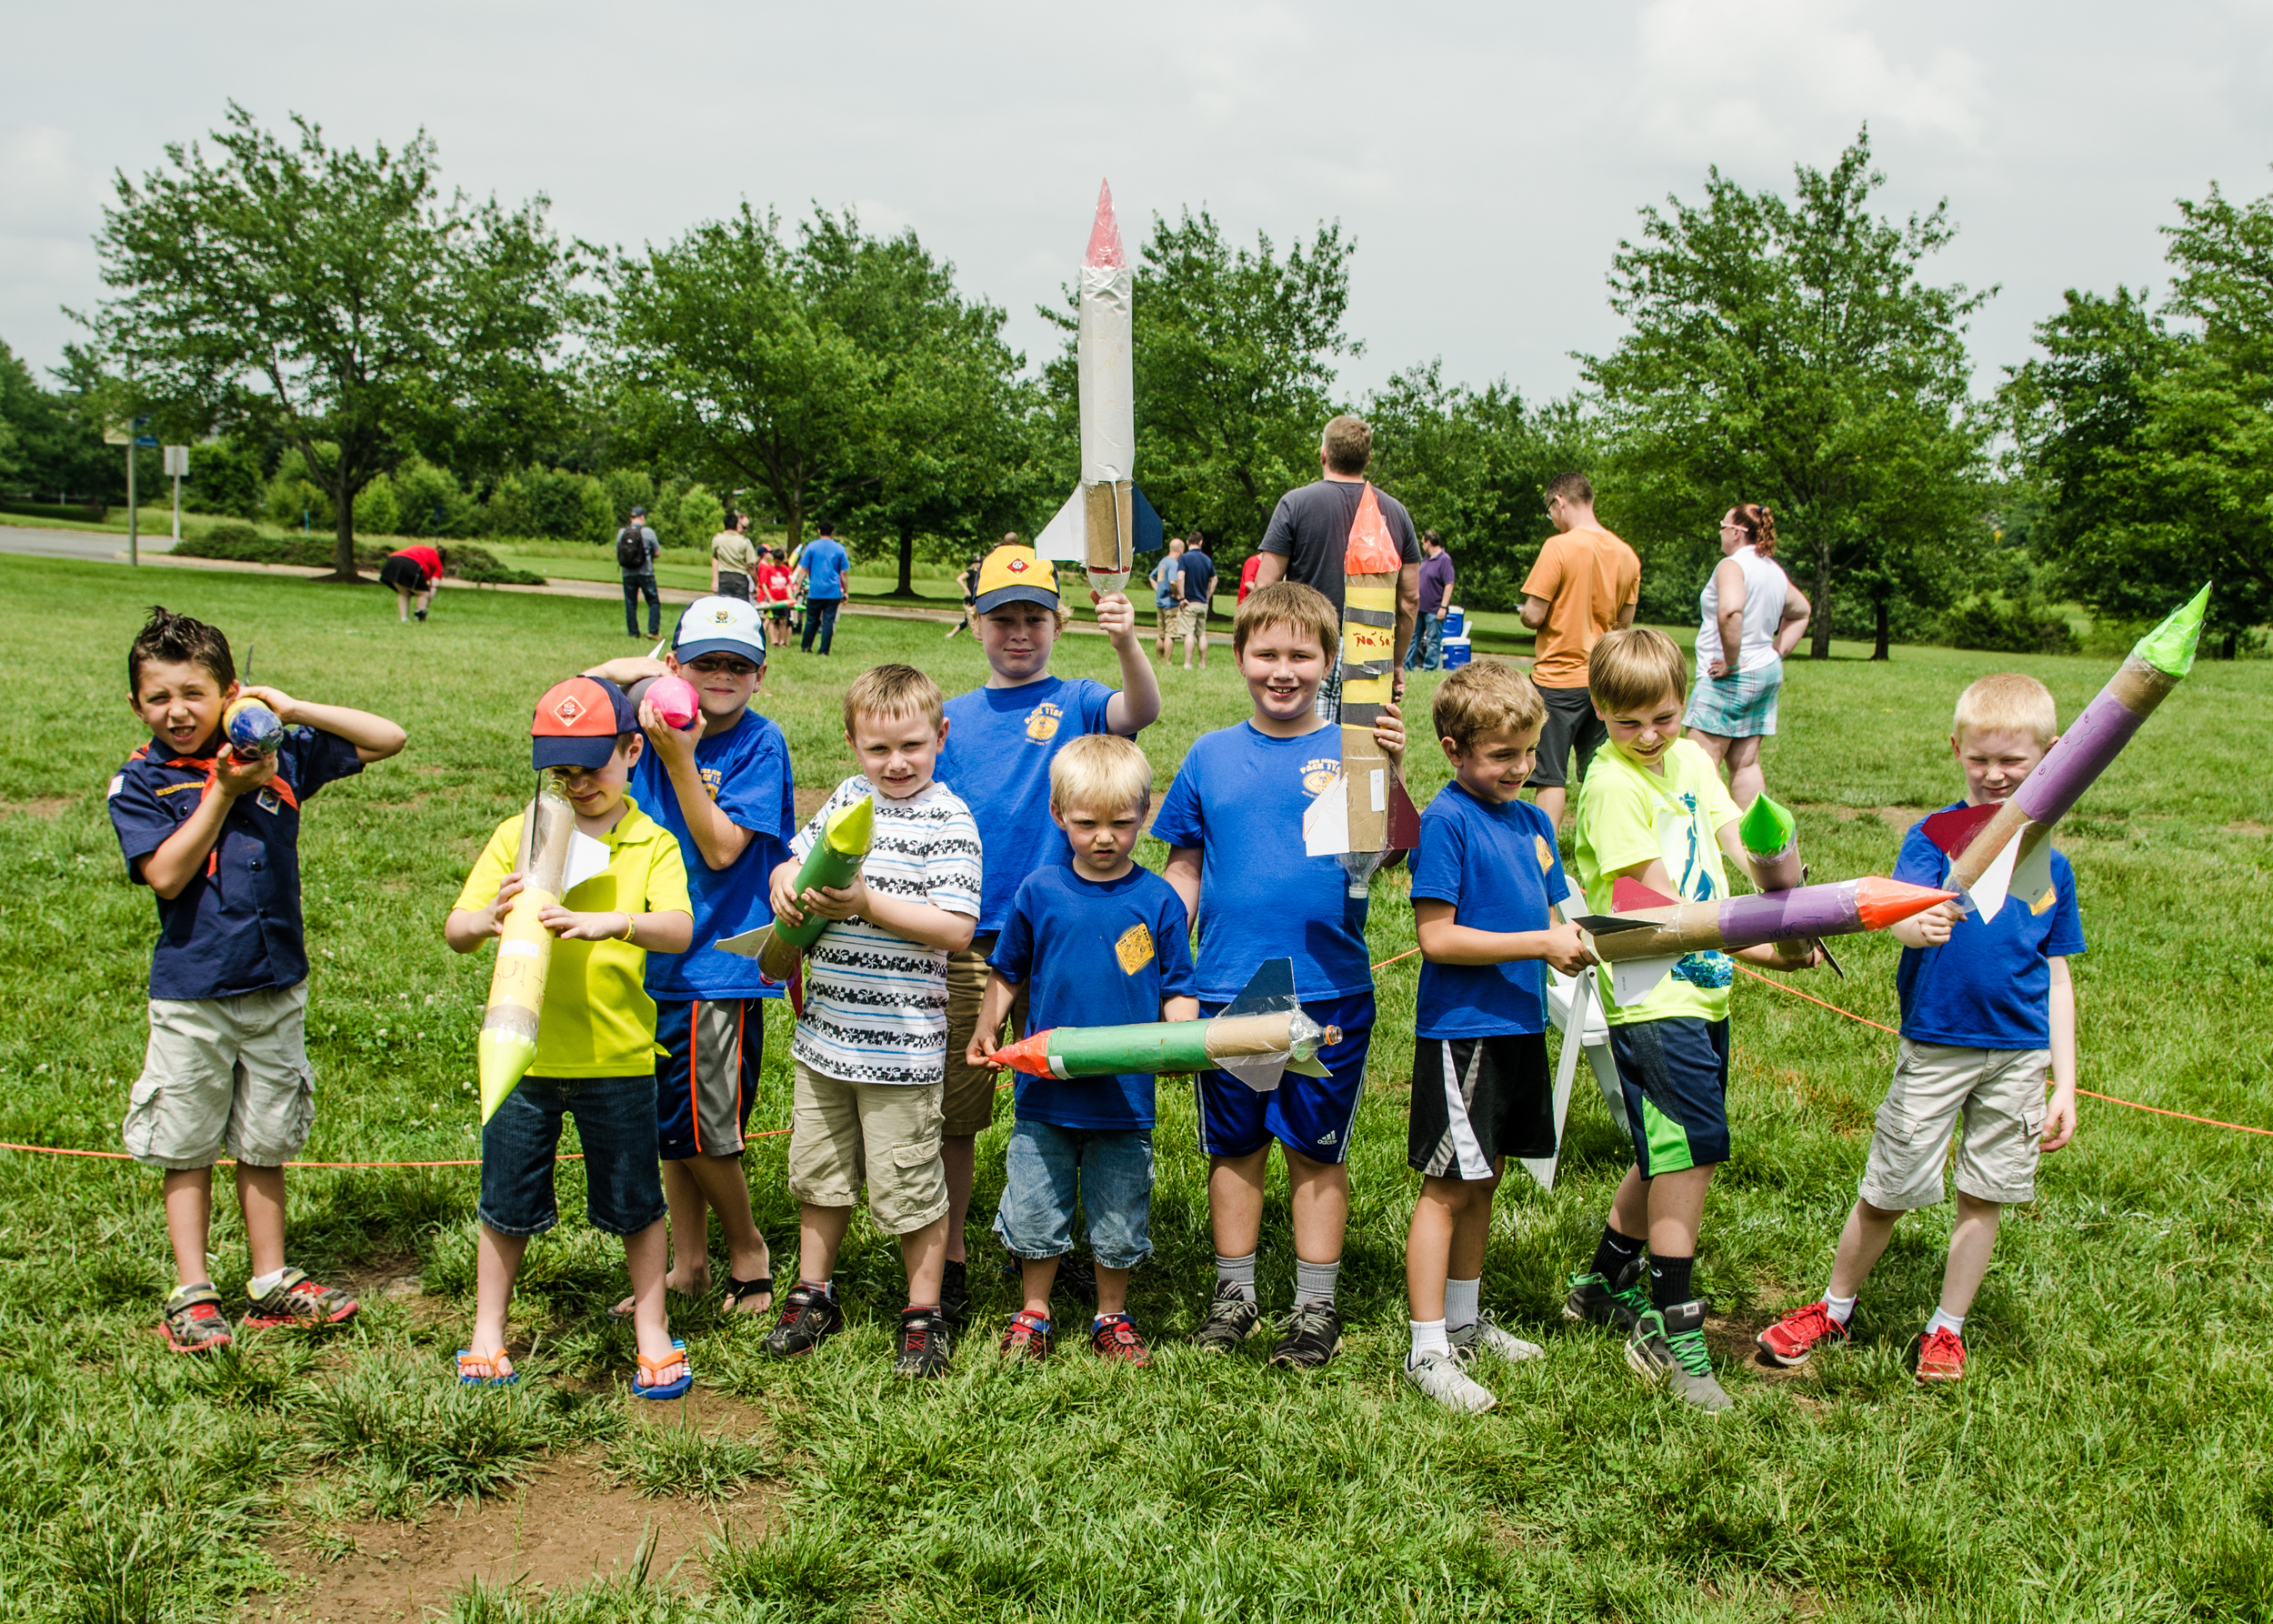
<point>1133,949</point>
<point>1547,852</point>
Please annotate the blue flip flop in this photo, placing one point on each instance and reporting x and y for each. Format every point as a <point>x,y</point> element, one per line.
<point>648,1368</point>
<point>478,1370</point>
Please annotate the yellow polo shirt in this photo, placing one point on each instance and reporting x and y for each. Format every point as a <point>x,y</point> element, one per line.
<point>597,1019</point>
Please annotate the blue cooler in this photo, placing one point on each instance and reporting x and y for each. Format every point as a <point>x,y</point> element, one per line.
<point>1456,652</point>
<point>1455,622</point>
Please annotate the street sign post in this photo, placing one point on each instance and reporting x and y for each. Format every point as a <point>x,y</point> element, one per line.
<point>177,466</point>
<point>133,439</point>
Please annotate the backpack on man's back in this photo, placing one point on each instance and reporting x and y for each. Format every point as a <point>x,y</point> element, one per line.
<point>631,549</point>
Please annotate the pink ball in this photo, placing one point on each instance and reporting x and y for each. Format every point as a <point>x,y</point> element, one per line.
<point>674,700</point>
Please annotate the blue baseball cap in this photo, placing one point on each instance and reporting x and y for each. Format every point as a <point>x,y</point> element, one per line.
<point>577,723</point>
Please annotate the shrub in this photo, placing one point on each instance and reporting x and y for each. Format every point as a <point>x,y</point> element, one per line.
<point>429,501</point>
<point>700,516</point>
<point>548,503</point>
<point>2004,627</point>
<point>376,511</point>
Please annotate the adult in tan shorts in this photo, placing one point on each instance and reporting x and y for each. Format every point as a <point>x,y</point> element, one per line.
<point>1586,583</point>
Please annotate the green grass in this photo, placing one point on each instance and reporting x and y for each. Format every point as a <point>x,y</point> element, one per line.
<point>2111,1456</point>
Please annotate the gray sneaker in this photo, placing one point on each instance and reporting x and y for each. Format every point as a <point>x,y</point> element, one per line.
<point>1231,1320</point>
<point>1444,1376</point>
<point>1667,1349</point>
<point>1486,1337</point>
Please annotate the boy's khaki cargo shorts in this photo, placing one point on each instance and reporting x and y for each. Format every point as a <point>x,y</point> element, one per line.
<point>1995,1094</point>
<point>887,1134</point>
<point>223,1075</point>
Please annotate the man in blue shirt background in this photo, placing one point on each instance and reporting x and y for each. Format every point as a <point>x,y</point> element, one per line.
<point>822,569</point>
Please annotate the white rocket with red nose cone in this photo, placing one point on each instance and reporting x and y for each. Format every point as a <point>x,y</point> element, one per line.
<point>1107,520</point>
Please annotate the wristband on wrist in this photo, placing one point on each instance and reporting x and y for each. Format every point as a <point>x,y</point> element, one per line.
<point>631,923</point>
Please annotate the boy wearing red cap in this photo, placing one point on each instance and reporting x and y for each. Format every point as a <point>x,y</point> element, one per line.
<point>596,1040</point>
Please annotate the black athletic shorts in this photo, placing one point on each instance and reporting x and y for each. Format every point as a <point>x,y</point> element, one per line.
<point>1477,1100</point>
<point>1570,724</point>
<point>402,573</point>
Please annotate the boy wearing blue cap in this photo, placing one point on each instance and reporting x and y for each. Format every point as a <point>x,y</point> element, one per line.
<point>596,1040</point>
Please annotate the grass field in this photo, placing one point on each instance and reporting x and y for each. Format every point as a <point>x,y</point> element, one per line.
<point>2111,1456</point>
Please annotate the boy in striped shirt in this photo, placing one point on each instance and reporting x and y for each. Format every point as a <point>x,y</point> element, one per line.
<point>872,1039</point>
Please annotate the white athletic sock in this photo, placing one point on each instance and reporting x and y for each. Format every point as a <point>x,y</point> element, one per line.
<point>1238,1272</point>
<point>260,1286</point>
<point>1314,1282</point>
<point>1842,1308</point>
<point>1461,1301</point>
<point>1428,1336</point>
<point>1952,1323</point>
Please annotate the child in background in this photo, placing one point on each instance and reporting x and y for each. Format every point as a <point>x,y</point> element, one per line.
<point>595,1040</point>
<point>724,793</point>
<point>1002,737</point>
<point>1653,808</point>
<point>217,839</point>
<point>1485,876</point>
<point>1987,1006</point>
<point>1099,942</point>
<point>1233,821</point>
<point>872,1040</point>
<point>773,588</point>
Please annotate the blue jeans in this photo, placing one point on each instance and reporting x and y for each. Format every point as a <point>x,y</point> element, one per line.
<point>1109,1170</point>
<point>623,1178</point>
<point>820,615</point>
<point>1426,652</point>
<point>634,586</point>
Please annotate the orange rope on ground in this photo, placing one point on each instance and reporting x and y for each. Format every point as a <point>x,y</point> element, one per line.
<point>2086,1093</point>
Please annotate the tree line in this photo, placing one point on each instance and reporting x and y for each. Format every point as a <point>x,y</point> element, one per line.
<point>354,350</point>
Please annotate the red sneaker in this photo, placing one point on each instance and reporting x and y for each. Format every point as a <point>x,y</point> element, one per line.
<point>1117,1339</point>
<point>1942,1359</point>
<point>1793,1338</point>
<point>1028,1338</point>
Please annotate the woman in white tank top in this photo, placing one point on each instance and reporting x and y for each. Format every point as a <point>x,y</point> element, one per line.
<point>1750,604</point>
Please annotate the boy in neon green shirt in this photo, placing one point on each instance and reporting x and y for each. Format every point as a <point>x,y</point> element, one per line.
<point>1653,809</point>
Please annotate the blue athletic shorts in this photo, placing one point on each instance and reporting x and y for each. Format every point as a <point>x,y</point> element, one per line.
<point>1312,1115</point>
<point>707,1078</point>
<point>1675,1073</point>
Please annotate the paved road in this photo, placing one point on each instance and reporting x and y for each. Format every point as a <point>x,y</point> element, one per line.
<point>74,544</point>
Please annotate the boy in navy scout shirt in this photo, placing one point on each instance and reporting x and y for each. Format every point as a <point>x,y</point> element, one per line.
<point>1001,740</point>
<point>1988,1009</point>
<point>215,836</point>
<point>724,793</point>
<point>1233,821</point>
<point>1484,877</point>
<point>1100,942</point>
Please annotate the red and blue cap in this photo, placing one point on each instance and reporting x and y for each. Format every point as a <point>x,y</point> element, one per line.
<point>577,723</point>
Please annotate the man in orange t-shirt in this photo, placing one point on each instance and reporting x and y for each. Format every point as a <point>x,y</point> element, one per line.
<point>1586,583</point>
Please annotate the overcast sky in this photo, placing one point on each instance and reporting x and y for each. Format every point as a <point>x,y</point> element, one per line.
<point>1486,157</point>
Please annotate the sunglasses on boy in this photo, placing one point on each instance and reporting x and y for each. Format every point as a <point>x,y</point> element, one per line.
<point>722,664</point>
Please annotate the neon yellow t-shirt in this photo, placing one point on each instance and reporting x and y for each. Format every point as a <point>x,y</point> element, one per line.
<point>1628,816</point>
<point>597,1019</point>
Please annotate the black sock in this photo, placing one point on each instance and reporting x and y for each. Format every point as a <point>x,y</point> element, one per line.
<point>1668,1279</point>
<point>1616,1252</point>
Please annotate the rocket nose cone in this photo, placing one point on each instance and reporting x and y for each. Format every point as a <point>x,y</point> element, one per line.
<point>851,830</point>
<point>1879,903</point>
<point>1030,1053</point>
<point>1104,235</point>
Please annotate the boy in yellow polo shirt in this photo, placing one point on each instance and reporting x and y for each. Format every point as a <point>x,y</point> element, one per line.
<point>595,1038</point>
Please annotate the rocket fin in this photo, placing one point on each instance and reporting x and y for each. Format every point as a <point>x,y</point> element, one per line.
<point>1986,898</point>
<point>1148,533</point>
<point>1952,831</point>
<point>750,944</point>
<point>1269,991</point>
<point>2032,873</point>
<point>1325,821</point>
<point>587,857</point>
<point>1313,1066</point>
<point>1066,538</point>
<point>1628,893</point>
<point>1404,819</point>
<point>1542,1168</point>
<point>1634,979</point>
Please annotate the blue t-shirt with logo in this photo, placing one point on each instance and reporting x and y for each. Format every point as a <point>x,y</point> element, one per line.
<point>1239,797</point>
<point>1990,985</point>
<point>1098,953</point>
<point>746,771</point>
<point>1497,864</point>
<point>826,565</point>
<point>1000,744</point>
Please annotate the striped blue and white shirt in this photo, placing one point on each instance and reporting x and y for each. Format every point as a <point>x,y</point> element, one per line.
<point>876,1004</point>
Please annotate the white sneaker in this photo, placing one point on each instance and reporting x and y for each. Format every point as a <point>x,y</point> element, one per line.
<point>1486,1337</point>
<point>1442,1377</point>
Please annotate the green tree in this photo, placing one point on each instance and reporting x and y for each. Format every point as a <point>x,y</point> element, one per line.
<point>1791,353</point>
<point>331,297</point>
<point>1235,369</point>
<point>2152,444</point>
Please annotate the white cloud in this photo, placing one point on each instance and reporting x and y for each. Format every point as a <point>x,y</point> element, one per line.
<point>1759,81</point>
<point>45,191</point>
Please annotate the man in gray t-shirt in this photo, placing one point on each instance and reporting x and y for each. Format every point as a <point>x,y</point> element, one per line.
<point>1309,533</point>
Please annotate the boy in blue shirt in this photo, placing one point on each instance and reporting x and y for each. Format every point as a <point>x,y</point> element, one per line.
<point>724,793</point>
<point>1233,822</point>
<point>1099,942</point>
<point>217,839</point>
<point>1483,877</point>
<point>1002,738</point>
<point>1987,1007</point>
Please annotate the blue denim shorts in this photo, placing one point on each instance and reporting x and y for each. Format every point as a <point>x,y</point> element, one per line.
<point>623,1176</point>
<point>1109,1169</point>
